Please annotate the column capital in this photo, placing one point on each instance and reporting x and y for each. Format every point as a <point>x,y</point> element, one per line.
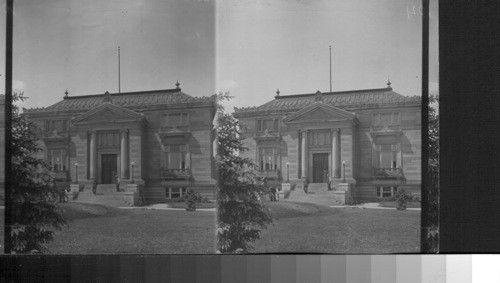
<point>92,132</point>
<point>124,131</point>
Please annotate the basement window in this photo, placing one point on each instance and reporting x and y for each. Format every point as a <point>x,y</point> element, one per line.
<point>175,192</point>
<point>386,192</point>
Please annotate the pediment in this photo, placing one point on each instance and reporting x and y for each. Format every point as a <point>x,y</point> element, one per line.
<point>319,112</point>
<point>108,113</point>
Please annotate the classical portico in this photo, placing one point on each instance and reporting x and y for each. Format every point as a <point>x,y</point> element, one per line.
<point>322,128</point>
<point>110,129</point>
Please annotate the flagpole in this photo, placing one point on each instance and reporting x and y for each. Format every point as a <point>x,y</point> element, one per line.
<point>119,89</point>
<point>330,68</point>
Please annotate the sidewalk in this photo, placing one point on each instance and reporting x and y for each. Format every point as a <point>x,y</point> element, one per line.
<point>163,206</point>
<point>370,205</point>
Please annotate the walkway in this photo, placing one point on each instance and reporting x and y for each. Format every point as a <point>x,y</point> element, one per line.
<point>371,205</point>
<point>163,206</point>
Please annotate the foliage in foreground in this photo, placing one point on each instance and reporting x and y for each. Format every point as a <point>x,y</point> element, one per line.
<point>241,211</point>
<point>34,209</point>
<point>433,196</point>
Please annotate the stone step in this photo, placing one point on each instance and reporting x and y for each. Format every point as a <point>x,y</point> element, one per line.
<point>105,196</point>
<point>106,188</point>
<point>318,195</point>
<point>317,187</point>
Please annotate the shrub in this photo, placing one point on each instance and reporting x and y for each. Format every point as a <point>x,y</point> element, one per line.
<point>403,198</point>
<point>192,198</point>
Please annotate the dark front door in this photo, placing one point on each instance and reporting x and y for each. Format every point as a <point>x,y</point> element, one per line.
<point>320,167</point>
<point>108,162</point>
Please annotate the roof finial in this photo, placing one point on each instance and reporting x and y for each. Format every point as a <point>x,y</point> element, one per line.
<point>177,84</point>
<point>107,97</point>
<point>278,92</point>
<point>318,96</point>
<point>66,93</point>
<point>388,82</point>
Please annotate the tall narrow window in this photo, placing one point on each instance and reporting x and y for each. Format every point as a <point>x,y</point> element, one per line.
<point>177,157</point>
<point>268,158</point>
<point>388,156</point>
<point>57,159</point>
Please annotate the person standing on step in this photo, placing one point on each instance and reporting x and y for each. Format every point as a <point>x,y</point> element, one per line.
<point>116,178</point>
<point>329,178</point>
<point>273,194</point>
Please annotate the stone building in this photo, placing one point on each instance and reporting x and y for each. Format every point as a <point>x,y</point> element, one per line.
<point>369,139</point>
<point>161,141</point>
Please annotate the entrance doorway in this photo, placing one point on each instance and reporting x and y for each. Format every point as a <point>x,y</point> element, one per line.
<point>320,167</point>
<point>108,168</point>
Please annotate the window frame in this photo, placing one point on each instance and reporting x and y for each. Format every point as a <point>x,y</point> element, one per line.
<point>166,120</point>
<point>63,155</point>
<point>184,160</point>
<point>181,191</point>
<point>275,158</point>
<point>376,120</point>
<point>380,191</point>
<point>262,124</point>
<point>395,153</point>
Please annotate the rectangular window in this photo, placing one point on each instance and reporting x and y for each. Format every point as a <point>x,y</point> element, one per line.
<point>320,138</point>
<point>108,138</point>
<point>177,157</point>
<point>175,192</point>
<point>388,156</point>
<point>268,158</point>
<point>386,192</point>
<point>57,125</point>
<point>58,159</point>
<point>385,119</point>
<point>268,124</point>
<point>175,119</point>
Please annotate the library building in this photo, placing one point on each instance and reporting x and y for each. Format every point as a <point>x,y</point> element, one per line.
<point>362,145</point>
<point>130,148</point>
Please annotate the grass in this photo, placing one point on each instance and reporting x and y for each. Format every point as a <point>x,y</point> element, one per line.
<point>101,229</point>
<point>297,228</point>
<point>310,228</point>
<point>395,204</point>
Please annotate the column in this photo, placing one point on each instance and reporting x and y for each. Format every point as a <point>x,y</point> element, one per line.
<point>124,155</point>
<point>93,156</point>
<point>336,154</point>
<point>305,155</point>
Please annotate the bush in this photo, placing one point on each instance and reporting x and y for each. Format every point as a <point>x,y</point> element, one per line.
<point>403,198</point>
<point>192,198</point>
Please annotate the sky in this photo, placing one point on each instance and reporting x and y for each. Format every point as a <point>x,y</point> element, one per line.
<point>247,47</point>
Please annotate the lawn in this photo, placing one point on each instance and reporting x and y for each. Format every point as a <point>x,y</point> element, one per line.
<point>310,228</point>
<point>101,229</point>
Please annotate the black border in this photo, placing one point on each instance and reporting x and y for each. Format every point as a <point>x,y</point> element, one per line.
<point>8,124</point>
<point>469,49</point>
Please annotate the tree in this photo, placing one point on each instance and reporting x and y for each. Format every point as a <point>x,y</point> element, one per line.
<point>241,211</point>
<point>34,209</point>
<point>433,196</point>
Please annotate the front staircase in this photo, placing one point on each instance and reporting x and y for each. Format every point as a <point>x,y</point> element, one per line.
<point>317,193</point>
<point>106,194</point>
